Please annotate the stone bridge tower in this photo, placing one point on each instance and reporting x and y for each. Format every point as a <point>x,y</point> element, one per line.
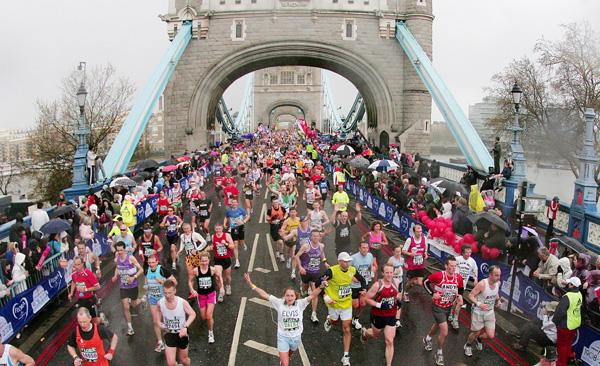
<point>354,38</point>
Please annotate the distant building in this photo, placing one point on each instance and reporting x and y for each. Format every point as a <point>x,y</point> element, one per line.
<point>480,115</point>
<point>153,138</point>
<point>14,146</point>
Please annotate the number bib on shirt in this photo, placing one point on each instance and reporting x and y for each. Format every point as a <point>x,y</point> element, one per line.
<point>204,282</point>
<point>221,250</point>
<point>154,290</point>
<point>313,264</point>
<point>291,323</point>
<point>89,354</point>
<point>344,291</point>
<point>418,259</point>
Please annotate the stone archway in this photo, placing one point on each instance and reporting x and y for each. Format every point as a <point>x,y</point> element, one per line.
<point>373,87</point>
<point>384,141</point>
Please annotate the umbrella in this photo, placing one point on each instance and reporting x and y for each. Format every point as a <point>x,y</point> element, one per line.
<point>323,146</point>
<point>55,226</point>
<point>359,162</point>
<point>138,179</point>
<point>183,158</point>
<point>62,210</point>
<point>383,165</point>
<point>490,217</point>
<point>183,163</point>
<point>123,181</point>
<point>449,188</point>
<point>169,168</point>
<point>344,150</point>
<point>571,243</point>
<point>147,164</point>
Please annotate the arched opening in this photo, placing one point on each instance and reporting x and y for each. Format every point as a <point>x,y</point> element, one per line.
<point>349,65</point>
<point>289,111</point>
<point>384,141</point>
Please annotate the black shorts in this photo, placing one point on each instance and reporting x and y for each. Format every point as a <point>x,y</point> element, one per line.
<point>381,322</point>
<point>90,304</point>
<point>173,340</point>
<point>223,262</point>
<point>440,315</point>
<point>269,171</point>
<point>290,243</point>
<point>249,196</point>
<point>203,218</point>
<point>274,230</point>
<point>414,273</point>
<point>172,239</point>
<point>237,233</point>
<point>129,293</point>
<point>310,277</point>
<point>309,206</point>
<point>243,175</point>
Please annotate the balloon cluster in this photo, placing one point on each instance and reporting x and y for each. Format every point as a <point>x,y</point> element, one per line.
<point>489,253</point>
<point>442,228</point>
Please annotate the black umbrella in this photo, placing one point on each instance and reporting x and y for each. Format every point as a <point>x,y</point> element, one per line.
<point>138,179</point>
<point>147,164</point>
<point>123,181</point>
<point>571,243</point>
<point>490,217</point>
<point>55,226</point>
<point>448,188</point>
<point>62,210</point>
<point>344,150</point>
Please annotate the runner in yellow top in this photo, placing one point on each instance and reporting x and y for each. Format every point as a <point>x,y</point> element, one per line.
<point>299,167</point>
<point>288,233</point>
<point>340,200</point>
<point>338,297</point>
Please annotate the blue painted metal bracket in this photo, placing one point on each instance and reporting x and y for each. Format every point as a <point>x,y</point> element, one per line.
<point>355,114</point>
<point>330,101</point>
<point>129,136</point>
<point>467,138</point>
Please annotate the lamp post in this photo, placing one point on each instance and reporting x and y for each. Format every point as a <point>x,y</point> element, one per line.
<point>518,155</point>
<point>80,183</point>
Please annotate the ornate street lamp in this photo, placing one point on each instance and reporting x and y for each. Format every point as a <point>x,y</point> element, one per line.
<point>518,154</point>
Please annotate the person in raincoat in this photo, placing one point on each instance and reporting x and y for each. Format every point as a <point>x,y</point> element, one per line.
<point>129,212</point>
<point>476,203</point>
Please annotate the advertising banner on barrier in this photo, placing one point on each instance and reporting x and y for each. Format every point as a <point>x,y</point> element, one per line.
<point>587,346</point>
<point>19,310</point>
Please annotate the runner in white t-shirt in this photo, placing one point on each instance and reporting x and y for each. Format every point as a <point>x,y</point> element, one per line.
<point>467,268</point>
<point>289,317</point>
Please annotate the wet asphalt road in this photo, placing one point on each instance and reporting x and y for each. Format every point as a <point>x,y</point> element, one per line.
<point>256,322</point>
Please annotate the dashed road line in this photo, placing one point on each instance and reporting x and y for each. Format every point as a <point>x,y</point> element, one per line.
<point>253,254</point>
<point>272,254</point>
<point>262,347</point>
<point>236,333</point>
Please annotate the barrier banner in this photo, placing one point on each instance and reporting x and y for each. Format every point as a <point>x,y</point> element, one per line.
<point>19,310</point>
<point>587,346</point>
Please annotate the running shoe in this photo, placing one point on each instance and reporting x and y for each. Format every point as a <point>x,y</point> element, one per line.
<point>406,297</point>
<point>327,324</point>
<point>454,322</point>
<point>130,331</point>
<point>313,318</point>
<point>363,336</point>
<point>439,358</point>
<point>293,275</point>
<point>428,344</point>
<point>478,344</point>
<point>227,290</point>
<point>345,360</point>
<point>237,263</point>
<point>160,346</point>
<point>468,350</point>
<point>288,264</point>
<point>220,298</point>
<point>398,323</point>
<point>281,258</point>
<point>356,324</point>
<point>211,338</point>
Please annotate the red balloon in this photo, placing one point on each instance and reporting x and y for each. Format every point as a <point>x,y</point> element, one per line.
<point>485,252</point>
<point>449,236</point>
<point>494,253</point>
<point>474,248</point>
<point>469,238</point>
<point>456,247</point>
<point>421,214</point>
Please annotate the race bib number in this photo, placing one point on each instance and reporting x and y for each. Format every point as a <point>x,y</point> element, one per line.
<point>172,325</point>
<point>154,291</point>
<point>172,227</point>
<point>389,301</point>
<point>418,259</point>
<point>314,263</point>
<point>148,252</point>
<point>291,323</point>
<point>221,250</point>
<point>189,252</point>
<point>344,291</point>
<point>203,212</point>
<point>204,282</point>
<point>376,246</point>
<point>89,354</point>
<point>365,271</point>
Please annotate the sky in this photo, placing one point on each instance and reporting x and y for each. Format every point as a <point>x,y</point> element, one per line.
<point>42,41</point>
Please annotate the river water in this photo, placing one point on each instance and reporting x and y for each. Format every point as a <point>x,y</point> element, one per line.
<point>549,182</point>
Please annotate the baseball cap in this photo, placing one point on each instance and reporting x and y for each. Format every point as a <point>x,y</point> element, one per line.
<point>303,217</point>
<point>575,281</point>
<point>344,256</point>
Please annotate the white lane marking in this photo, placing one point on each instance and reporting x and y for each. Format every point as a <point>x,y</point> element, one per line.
<point>303,355</point>
<point>266,192</point>
<point>262,270</point>
<point>272,254</point>
<point>263,214</point>
<point>236,333</point>
<point>253,254</point>
<point>262,347</point>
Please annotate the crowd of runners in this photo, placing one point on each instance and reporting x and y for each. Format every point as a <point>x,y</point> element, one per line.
<point>368,274</point>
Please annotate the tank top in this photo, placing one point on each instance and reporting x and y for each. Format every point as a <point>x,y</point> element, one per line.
<point>171,226</point>
<point>375,241</point>
<point>174,320</point>
<point>292,224</point>
<point>205,282</point>
<point>311,260</point>
<point>125,269</point>
<point>5,359</point>
<point>339,287</point>
<point>310,195</point>
<point>448,288</point>
<point>397,263</point>
<point>386,295</point>
<point>220,249</point>
<point>147,247</point>
<point>487,296</point>
<point>316,220</point>
<point>303,237</point>
<point>155,289</point>
<point>92,350</point>
<point>416,262</point>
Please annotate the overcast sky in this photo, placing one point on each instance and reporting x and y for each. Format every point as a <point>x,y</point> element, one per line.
<point>42,41</point>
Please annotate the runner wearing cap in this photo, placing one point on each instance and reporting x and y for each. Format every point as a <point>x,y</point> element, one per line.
<point>338,298</point>
<point>364,262</point>
<point>156,275</point>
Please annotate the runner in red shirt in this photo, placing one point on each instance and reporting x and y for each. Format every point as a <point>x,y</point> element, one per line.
<point>84,282</point>
<point>88,339</point>
<point>219,183</point>
<point>230,192</point>
<point>447,288</point>
<point>163,204</point>
<point>222,252</point>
